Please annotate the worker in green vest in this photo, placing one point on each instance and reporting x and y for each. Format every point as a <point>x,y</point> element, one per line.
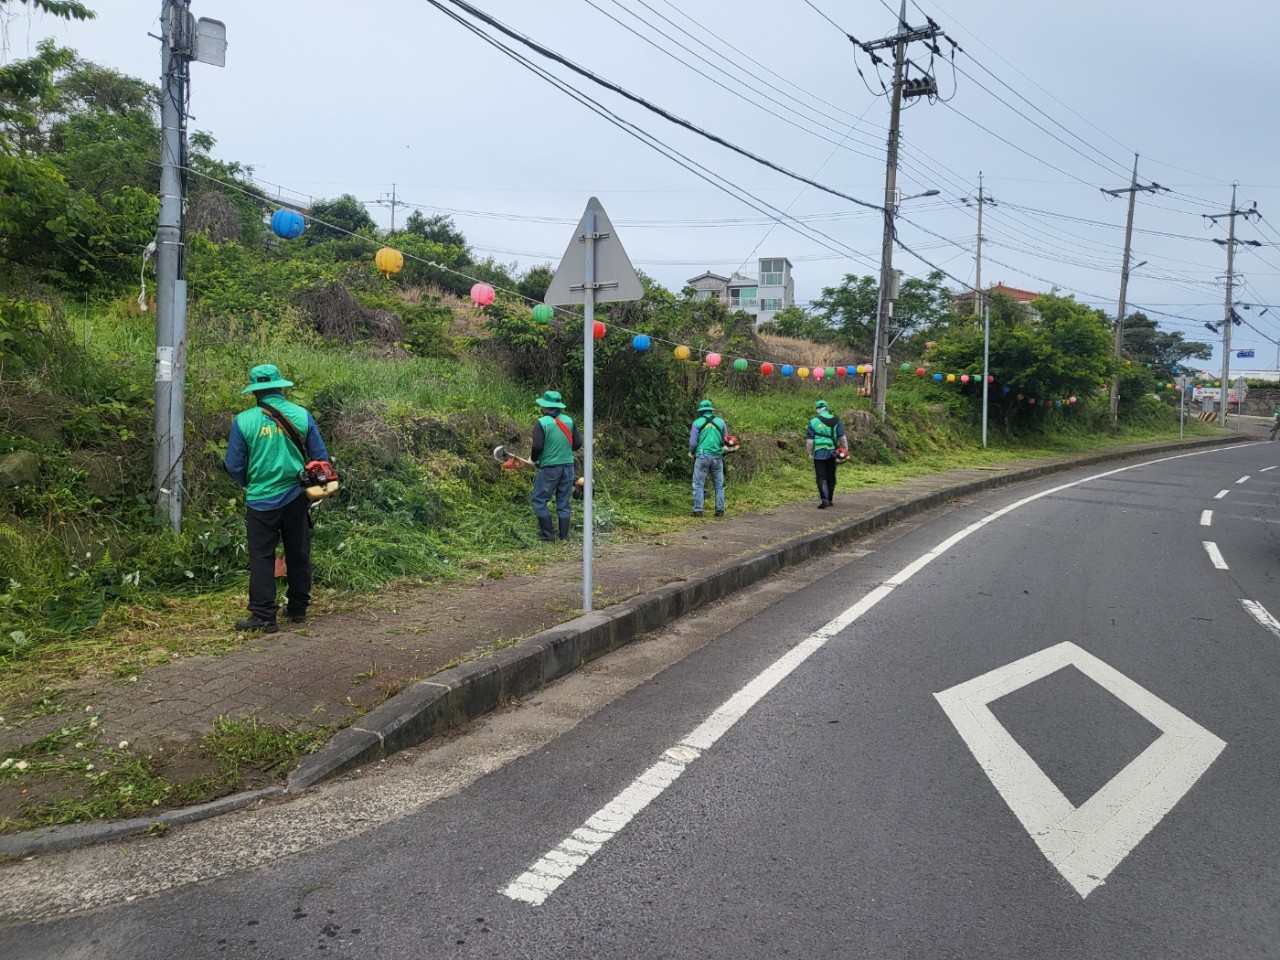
<point>706,446</point>
<point>823,438</point>
<point>1275,427</point>
<point>555,438</point>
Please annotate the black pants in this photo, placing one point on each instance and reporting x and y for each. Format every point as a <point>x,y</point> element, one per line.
<point>266,528</point>
<point>825,472</point>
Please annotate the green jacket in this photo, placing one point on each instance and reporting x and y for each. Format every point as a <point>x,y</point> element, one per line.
<point>274,459</point>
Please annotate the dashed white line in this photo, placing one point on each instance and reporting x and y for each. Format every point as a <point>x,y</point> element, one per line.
<point>546,875</point>
<point>1265,469</point>
<point>1259,613</point>
<point>1215,554</point>
<point>1220,494</point>
<point>1206,518</point>
<point>1243,479</point>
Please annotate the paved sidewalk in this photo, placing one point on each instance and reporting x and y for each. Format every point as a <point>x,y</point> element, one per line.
<point>346,665</point>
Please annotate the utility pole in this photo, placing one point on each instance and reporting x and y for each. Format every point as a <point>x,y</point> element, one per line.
<point>977,276</point>
<point>1229,316</point>
<point>393,203</point>
<point>182,40</point>
<point>1133,190</point>
<point>902,88</point>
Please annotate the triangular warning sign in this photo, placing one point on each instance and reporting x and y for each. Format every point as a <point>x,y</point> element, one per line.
<point>615,278</point>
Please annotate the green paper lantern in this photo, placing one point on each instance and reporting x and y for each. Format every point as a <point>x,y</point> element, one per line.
<point>740,365</point>
<point>543,313</point>
<point>905,368</point>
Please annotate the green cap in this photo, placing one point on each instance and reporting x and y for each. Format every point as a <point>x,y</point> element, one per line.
<point>706,406</point>
<point>266,376</point>
<point>550,400</point>
<point>820,405</point>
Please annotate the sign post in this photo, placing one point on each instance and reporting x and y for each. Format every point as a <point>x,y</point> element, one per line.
<point>1182,405</point>
<point>595,251</point>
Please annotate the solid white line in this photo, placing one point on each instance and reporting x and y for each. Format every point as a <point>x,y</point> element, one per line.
<point>1206,518</point>
<point>1265,469</point>
<point>1260,613</point>
<point>1243,479</point>
<point>1215,554</point>
<point>1221,494</point>
<point>542,879</point>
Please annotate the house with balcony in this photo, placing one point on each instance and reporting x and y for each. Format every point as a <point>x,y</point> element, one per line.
<point>761,296</point>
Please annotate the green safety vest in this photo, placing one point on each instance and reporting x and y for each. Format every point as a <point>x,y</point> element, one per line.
<point>557,449</point>
<point>710,436</point>
<point>274,460</point>
<point>824,441</point>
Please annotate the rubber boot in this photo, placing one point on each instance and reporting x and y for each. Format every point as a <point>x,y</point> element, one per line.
<point>544,529</point>
<point>564,527</point>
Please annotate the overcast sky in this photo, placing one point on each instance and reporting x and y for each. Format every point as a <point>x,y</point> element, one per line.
<point>325,97</point>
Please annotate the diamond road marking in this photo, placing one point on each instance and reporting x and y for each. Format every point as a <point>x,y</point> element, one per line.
<point>1084,843</point>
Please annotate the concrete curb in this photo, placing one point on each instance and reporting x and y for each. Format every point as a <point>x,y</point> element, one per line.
<point>458,695</point>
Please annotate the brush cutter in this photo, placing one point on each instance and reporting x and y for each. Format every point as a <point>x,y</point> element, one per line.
<point>509,460</point>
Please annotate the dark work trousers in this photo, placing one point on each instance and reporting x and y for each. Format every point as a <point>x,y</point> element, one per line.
<point>825,472</point>
<point>266,528</point>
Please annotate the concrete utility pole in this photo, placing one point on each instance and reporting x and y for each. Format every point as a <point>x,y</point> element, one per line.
<point>1229,317</point>
<point>983,198</point>
<point>1133,190</point>
<point>920,87</point>
<point>393,203</point>
<point>182,40</point>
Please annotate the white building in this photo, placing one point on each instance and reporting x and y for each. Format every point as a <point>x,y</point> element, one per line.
<point>762,297</point>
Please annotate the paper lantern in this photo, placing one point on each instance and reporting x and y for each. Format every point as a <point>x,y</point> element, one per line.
<point>1031,400</point>
<point>905,368</point>
<point>287,224</point>
<point>788,370</point>
<point>388,261</point>
<point>1057,403</point>
<point>1021,396</point>
<point>598,330</point>
<point>1004,389</point>
<point>681,352</point>
<point>482,294</point>
<point>831,371</point>
<point>991,379</point>
<point>741,365</point>
<point>964,378</point>
<point>842,371</point>
<point>937,378</point>
<point>766,369</point>
<point>920,371</point>
<point>1071,399</point>
<point>544,312</point>
<point>641,342</point>
<point>860,369</point>
<point>803,373</point>
<point>819,373</point>
<point>713,359</point>
<point>951,378</point>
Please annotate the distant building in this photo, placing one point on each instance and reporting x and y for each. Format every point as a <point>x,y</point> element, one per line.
<point>963,303</point>
<point>762,298</point>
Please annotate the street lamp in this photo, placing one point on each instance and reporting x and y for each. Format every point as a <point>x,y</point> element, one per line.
<point>880,347</point>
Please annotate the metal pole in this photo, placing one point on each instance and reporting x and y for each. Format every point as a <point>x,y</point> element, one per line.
<point>1226,310</point>
<point>1182,409</point>
<point>986,366</point>
<point>1124,286</point>
<point>588,402</point>
<point>977,278</point>
<point>170,289</point>
<point>879,364</point>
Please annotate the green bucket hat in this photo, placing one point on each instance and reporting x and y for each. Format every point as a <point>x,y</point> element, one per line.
<point>266,376</point>
<point>820,405</point>
<point>706,406</point>
<point>550,400</point>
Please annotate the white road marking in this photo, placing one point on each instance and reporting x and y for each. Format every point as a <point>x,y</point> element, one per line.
<point>1206,518</point>
<point>1084,843</point>
<point>1215,554</point>
<point>1243,479</point>
<point>1220,494</point>
<point>1265,469</point>
<point>546,875</point>
<point>1260,613</point>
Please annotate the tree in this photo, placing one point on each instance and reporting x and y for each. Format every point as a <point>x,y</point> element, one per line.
<point>800,323</point>
<point>1162,351</point>
<point>850,310</point>
<point>345,212</point>
<point>534,284</point>
<point>438,229</point>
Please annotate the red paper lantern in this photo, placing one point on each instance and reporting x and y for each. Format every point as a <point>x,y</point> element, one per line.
<point>598,330</point>
<point>920,371</point>
<point>766,369</point>
<point>842,371</point>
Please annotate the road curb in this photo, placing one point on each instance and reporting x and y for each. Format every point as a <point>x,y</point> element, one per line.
<point>456,696</point>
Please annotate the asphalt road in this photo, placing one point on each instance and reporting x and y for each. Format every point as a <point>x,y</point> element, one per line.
<point>1040,724</point>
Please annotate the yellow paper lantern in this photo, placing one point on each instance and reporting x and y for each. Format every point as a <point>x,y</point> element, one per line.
<point>389,261</point>
<point>682,352</point>
<point>951,378</point>
<point>803,373</point>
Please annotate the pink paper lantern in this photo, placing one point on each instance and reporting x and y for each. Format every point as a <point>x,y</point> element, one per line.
<point>964,378</point>
<point>713,359</point>
<point>482,294</point>
<point>819,373</point>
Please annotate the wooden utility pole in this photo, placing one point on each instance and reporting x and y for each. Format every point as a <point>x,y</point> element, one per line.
<point>977,272</point>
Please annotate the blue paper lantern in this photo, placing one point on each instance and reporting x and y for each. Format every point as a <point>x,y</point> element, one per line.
<point>788,370</point>
<point>1004,389</point>
<point>287,224</point>
<point>641,342</point>
<point>937,378</point>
